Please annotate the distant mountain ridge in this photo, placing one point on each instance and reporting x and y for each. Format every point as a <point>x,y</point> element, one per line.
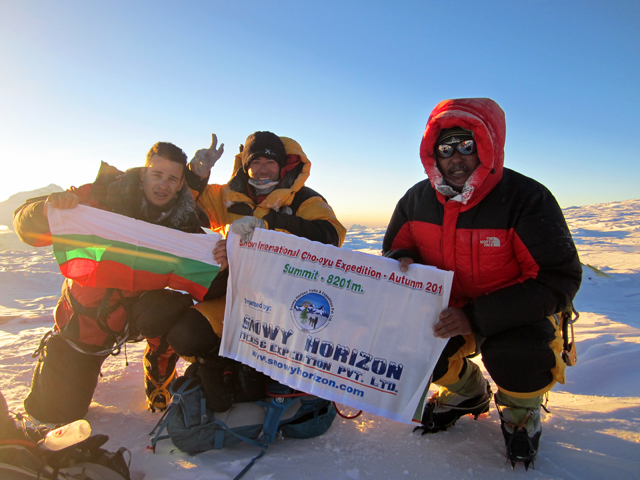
<point>8,239</point>
<point>14,201</point>
<point>355,226</point>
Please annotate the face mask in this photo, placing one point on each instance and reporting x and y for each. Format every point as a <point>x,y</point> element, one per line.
<point>262,184</point>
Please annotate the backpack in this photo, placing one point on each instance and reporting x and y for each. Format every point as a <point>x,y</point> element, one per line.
<point>21,459</point>
<point>29,450</point>
<point>193,427</point>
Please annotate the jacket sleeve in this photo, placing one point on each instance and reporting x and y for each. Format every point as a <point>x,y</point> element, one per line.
<point>398,241</point>
<point>195,183</point>
<point>551,271</point>
<point>30,222</point>
<point>210,200</point>
<point>314,219</point>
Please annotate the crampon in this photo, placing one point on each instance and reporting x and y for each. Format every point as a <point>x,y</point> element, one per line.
<point>439,415</point>
<point>520,437</point>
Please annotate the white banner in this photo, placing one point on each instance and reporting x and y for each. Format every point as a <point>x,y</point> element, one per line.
<point>345,326</point>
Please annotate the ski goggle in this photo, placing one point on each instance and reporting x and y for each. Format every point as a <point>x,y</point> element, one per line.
<point>466,147</point>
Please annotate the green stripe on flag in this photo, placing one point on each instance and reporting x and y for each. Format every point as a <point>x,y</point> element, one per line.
<point>70,247</point>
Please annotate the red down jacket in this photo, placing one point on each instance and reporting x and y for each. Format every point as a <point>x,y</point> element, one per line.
<point>505,237</point>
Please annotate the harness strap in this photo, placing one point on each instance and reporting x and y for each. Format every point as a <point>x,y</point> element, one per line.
<point>53,332</point>
<point>99,313</point>
<point>223,427</point>
<point>275,410</point>
<point>251,463</point>
<point>43,341</point>
<point>219,439</point>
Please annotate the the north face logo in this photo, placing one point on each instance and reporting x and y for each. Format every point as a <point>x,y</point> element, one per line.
<point>491,242</point>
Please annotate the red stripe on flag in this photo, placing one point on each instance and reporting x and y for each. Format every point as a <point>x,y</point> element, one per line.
<point>109,274</point>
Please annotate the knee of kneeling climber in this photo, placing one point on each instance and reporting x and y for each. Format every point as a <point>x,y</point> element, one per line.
<point>193,335</point>
<point>524,374</point>
<point>155,312</point>
<point>506,399</point>
<point>469,380</point>
<point>523,396</point>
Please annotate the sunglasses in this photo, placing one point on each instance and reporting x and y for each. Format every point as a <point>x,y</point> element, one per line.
<point>466,147</point>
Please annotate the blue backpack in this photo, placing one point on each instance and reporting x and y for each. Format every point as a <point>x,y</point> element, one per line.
<point>194,428</point>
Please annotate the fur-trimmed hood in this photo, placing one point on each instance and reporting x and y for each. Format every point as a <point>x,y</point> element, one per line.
<point>486,120</point>
<point>297,172</point>
<point>121,193</point>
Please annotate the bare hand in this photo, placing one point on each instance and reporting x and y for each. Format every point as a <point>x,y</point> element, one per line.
<point>220,254</point>
<point>452,322</point>
<point>62,200</point>
<point>404,263</point>
<point>205,158</point>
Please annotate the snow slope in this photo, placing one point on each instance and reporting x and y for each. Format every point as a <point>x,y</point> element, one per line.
<point>592,430</point>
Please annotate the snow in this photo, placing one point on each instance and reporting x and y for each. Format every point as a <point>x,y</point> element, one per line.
<point>592,430</point>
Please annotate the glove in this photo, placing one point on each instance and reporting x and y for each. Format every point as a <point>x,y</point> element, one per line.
<point>245,226</point>
<point>205,158</point>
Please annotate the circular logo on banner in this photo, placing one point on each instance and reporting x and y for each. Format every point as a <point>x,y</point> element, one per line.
<point>311,311</point>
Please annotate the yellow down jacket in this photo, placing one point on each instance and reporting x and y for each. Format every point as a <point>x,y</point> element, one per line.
<point>291,208</point>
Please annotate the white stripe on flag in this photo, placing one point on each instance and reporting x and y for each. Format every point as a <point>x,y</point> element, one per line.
<point>85,220</point>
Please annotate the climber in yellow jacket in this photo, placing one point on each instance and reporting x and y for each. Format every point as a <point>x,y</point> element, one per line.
<point>267,190</point>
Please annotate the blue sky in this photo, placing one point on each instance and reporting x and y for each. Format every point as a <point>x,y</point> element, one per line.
<point>352,81</point>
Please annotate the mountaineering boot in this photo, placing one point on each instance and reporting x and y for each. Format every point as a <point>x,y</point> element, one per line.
<point>521,427</point>
<point>159,371</point>
<point>471,395</point>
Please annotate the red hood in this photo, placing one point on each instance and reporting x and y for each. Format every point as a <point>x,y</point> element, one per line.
<point>486,120</point>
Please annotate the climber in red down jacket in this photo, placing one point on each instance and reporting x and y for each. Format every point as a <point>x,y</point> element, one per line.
<point>516,270</point>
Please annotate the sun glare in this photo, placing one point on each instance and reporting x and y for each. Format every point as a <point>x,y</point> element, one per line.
<point>185,464</point>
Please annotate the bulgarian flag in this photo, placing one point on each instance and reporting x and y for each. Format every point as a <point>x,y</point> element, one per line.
<point>102,249</point>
